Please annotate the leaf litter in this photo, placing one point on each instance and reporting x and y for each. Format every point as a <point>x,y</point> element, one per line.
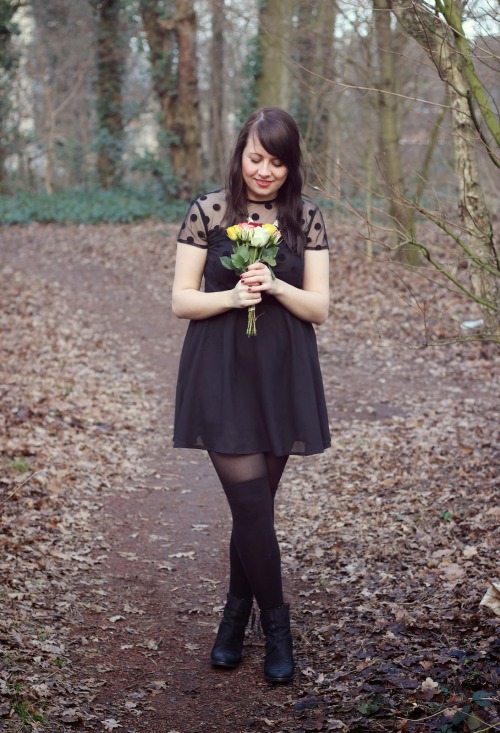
<point>389,541</point>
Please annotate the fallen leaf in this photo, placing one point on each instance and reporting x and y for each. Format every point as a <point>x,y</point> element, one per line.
<point>429,688</point>
<point>111,724</point>
<point>491,598</point>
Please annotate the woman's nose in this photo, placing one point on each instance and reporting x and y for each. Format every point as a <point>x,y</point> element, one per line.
<point>264,168</point>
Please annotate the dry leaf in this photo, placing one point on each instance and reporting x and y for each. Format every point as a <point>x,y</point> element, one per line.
<point>491,598</point>
<point>429,688</point>
<point>111,724</point>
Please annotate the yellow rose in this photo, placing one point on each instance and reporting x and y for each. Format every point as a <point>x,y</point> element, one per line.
<point>269,228</point>
<point>233,232</point>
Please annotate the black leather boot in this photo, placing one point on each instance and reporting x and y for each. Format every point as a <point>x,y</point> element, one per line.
<point>228,645</point>
<point>278,665</point>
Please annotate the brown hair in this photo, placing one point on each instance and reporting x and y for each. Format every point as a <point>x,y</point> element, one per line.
<point>279,135</point>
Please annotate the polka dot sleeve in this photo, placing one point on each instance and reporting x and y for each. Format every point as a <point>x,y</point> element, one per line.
<point>316,235</point>
<point>194,227</point>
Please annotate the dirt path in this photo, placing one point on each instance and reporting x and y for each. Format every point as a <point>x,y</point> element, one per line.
<point>166,537</point>
<point>150,605</point>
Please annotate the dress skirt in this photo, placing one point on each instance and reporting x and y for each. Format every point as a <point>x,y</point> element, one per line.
<point>240,394</point>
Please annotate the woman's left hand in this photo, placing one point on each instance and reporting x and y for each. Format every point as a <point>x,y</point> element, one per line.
<point>258,278</point>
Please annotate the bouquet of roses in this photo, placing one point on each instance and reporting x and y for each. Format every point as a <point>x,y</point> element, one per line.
<point>252,243</point>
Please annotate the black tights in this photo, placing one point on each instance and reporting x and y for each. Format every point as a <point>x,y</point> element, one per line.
<point>250,484</point>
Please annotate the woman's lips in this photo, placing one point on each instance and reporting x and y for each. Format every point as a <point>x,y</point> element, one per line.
<point>262,184</point>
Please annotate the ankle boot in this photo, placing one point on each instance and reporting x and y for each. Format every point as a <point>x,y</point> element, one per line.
<point>228,645</point>
<point>278,665</point>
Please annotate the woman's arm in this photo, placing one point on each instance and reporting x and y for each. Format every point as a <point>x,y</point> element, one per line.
<point>311,302</point>
<point>189,301</point>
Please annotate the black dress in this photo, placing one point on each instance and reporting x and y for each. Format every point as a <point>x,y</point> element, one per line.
<point>242,394</point>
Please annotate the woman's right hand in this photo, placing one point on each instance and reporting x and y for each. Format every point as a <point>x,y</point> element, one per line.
<point>244,297</point>
<point>189,301</point>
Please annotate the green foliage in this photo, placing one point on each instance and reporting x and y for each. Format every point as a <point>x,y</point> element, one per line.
<point>8,58</point>
<point>466,718</point>
<point>252,71</point>
<point>446,515</point>
<point>28,714</point>
<point>89,206</point>
<point>368,707</point>
<point>21,464</point>
<point>14,695</point>
<point>158,170</point>
<point>243,256</point>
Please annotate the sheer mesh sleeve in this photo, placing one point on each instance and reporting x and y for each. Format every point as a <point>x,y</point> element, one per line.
<point>316,236</point>
<point>194,227</point>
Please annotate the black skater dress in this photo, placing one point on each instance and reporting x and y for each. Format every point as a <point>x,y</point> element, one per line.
<point>240,394</point>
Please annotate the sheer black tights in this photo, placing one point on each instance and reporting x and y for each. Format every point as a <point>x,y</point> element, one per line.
<point>250,484</point>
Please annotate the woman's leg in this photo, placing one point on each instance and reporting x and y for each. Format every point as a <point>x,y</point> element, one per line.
<point>239,587</point>
<point>250,484</point>
<point>254,553</point>
<point>275,465</point>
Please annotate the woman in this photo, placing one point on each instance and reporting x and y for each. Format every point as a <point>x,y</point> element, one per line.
<point>253,401</point>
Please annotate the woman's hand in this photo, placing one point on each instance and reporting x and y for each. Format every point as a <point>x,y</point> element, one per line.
<point>258,278</point>
<point>310,302</point>
<point>245,293</point>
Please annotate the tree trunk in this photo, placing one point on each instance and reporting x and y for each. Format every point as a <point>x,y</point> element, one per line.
<point>326,108</point>
<point>60,65</point>
<point>423,174</point>
<point>110,63</point>
<point>217,132</point>
<point>8,68</point>
<point>316,111</point>
<point>483,259</point>
<point>389,132</point>
<point>275,28</point>
<point>172,43</point>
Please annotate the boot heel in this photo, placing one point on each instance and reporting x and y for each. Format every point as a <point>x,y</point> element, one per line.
<point>228,647</point>
<point>279,665</point>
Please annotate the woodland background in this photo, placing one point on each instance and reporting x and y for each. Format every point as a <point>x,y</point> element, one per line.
<point>113,115</point>
<point>123,109</point>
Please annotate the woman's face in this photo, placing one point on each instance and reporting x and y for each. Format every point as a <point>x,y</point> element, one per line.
<point>263,174</point>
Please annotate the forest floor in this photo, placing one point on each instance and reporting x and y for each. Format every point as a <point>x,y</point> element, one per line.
<point>113,545</point>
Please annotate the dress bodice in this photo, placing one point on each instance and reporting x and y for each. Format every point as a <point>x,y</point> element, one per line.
<point>202,228</point>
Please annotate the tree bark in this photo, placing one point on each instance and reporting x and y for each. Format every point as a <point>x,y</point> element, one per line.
<point>316,111</point>
<point>325,109</point>
<point>389,134</point>
<point>217,132</point>
<point>8,68</point>
<point>110,63</point>
<point>437,38</point>
<point>275,27</point>
<point>60,63</point>
<point>172,43</point>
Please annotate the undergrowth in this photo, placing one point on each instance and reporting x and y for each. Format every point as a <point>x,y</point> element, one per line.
<point>88,206</point>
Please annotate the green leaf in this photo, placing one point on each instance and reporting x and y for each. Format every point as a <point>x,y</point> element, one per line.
<point>446,515</point>
<point>474,723</point>
<point>238,262</point>
<point>482,698</point>
<point>271,251</point>
<point>461,715</point>
<point>227,263</point>
<point>243,251</point>
<point>269,261</point>
<point>367,708</point>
